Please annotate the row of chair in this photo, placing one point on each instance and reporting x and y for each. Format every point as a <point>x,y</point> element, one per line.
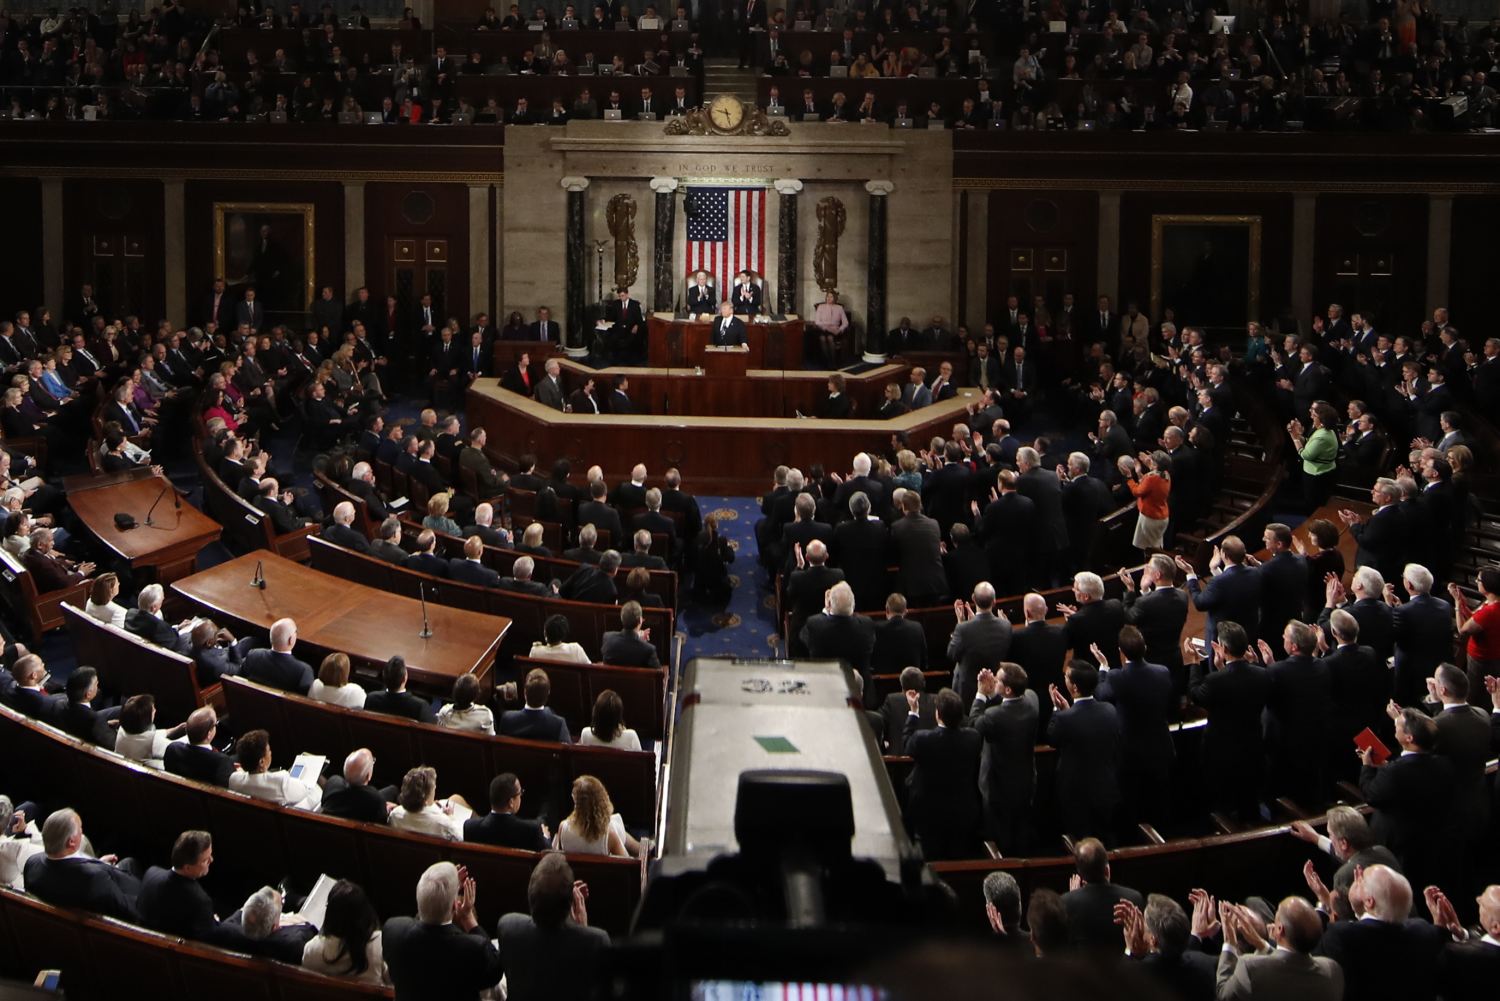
<point>246,527</point>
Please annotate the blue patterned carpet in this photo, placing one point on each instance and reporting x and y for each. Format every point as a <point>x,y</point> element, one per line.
<point>747,626</point>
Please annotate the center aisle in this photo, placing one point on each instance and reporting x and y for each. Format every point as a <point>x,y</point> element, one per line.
<point>747,626</point>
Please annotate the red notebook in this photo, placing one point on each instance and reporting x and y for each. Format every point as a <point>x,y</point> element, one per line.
<point>1366,739</point>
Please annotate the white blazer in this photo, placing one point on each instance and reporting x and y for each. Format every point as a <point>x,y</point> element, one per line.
<point>277,787</point>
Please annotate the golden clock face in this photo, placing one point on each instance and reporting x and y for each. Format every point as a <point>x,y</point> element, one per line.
<point>726,112</point>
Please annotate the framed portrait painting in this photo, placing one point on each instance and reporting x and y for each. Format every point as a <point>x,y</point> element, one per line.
<point>268,245</point>
<point>1206,268</point>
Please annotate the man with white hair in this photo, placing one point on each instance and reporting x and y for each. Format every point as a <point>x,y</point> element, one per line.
<point>277,667</point>
<point>1421,630</point>
<point>484,527</point>
<point>361,483</point>
<point>859,481</point>
<point>632,494</point>
<point>980,640</point>
<point>1381,536</point>
<point>48,568</point>
<point>520,578</point>
<point>146,621</point>
<point>1094,620</point>
<point>1085,499</point>
<point>1377,621</point>
<point>64,875</point>
<point>549,390</point>
<point>264,933</point>
<point>1045,491</point>
<point>351,796</point>
<point>837,633</point>
<point>442,954</point>
<point>1383,953</point>
<point>342,531</point>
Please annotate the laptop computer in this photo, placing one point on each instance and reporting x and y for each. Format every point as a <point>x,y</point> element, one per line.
<point>462,118</point>
<point>650,24</point>
<point>348,118</point>
<point>802,26</point>
<point>277,117</point>
<point>612,115</point>
<point>374,118</point>
<point>681,24</point>
<point>814,117</point>
<point>838,72</point>
<point>568,24</point>
<point>645,116</point>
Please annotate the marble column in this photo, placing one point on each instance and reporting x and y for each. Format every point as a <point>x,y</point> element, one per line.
<point>786,244</point>
<point>479,249</point>
<point>665,226</point>
<point>577,276</point>
<point>354,237</point>
<point>1304,238</point>
<point>875,325</point>
<point>1107,275</point>
<point>174,250</point>
<point>1439,249</point>
<point>976,258</point>
<point>53,231</point>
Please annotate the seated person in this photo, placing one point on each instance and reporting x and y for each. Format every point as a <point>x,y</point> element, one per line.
<point>49,569</point>
<point>559,919</point>
<point>139,739</point>
<point>216,652</point>
<point>555,644</point>
<point>277,667</point>
<point>630,645</point>
<point>266,932</point>
<point>395,700</point>
<point>636,584</point>
<point>333,685</point>
<point>66,877</point>
<point>593,828</point>
<point>501,826</point>
<point>417,808</point>
<point>607,727</point>
<point>835,406</point>
<point>197,758</point>
<point>101,604</point>
<point>437,516</point>
<point>425,559</point>
<point>349,943</point>
<point>255,777</point>
<point>80,718</point>
<point>520,578</point>
<point>465,712</point>
<point>173,901</point>
<point>640,554</point>
<point>830,321</point>
<point>146,622</point>
<point>21,840</point>
<point>536,721</point>
<point>351,796</point>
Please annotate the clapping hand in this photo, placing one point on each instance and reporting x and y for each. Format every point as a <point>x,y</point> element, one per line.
<point>1492,685</point>
<point>1099,657</point>
<point>1184,565</point>
<point>962,611</point>
<point>913,701</point>
<point>1126,581</point>
<point>988,683</point>
<point>1390,595</point>
<point>997,925</point>
<point>1333,590</point>
<point>1348,517</point>
<point>797,552</point>
<point>1067,610</point>
<point>1266,656</point>
<point>1133,924</point>
<point>463,904</point>
<point>1205,914</point>
<point>1299,546</point>
<point>1315,884</point>
<point>580,911</point>
<point>1059,700</point>
<point>1443,913</point>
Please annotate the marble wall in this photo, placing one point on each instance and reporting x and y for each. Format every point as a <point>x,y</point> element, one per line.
<point>829,159</point>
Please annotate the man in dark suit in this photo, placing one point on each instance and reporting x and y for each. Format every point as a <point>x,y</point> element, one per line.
<point>536,721</point>
<point>197,758</point>
<point>64,877</point>
<point>861,548</point>
<point>1159,610</point>
<point>250,312</point>
<point>276,504</point>
<point>1377,620</point>
<point>79,717</point>
<point>520,578</point>
<point>146,622</point>
<point>836,633</point>
<point>806,592</point>
<point>915,544</point>
<point>597,512</point>
<point>173,901</point>
<point>980,640</point>
<point>1463,737</point>
<point>545,328</point>
<point>1283,583</point>
<point>747,297</point>
<point>1142,694</point>
<point>471,569</point>
<point>1234,595</point>
<point>1085,499</point>
<point>943,806</point>
<point>276,667</point>
<point>217,307</point>
<point>1360,686</point>
<point>29,696</point>
<point>1091,907</point>
<point>442,952</point>
<point>351,796</point>
<point>728,330</point>
<point>1412,795</point>
<point>701,298</point>
<point>1233,692</point>
<point>1422,630</point>
<point>631,645</point>
<point>1040,648</point>
<point>890,721</point>
<point>1386,953</point>
<point>618,400</point>
<point>1095,621</point>
<point>899,642</point>
<point>395,700</point>
<point>1299,703</point>
<point>628,322</point>
<point>1009,528</point>
<point>1021,377</point>
<point>1004,713</point>
<point>1382,537</point>
<point>1469,964</point>
<point>802,532</point>
<point>594,583</point>
<point>1051,537</point>
<point>425,559</point>
<point>501,826</point>
<point>342,531</point>
<point>945,495</point>
<point>1087,738</point>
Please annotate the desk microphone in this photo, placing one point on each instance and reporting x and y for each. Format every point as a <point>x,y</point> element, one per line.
<point>259,580</point>
<point>165,487</point>
<point>426,632</point>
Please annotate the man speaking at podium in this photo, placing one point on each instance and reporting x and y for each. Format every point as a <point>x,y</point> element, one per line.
<point>728,329</point>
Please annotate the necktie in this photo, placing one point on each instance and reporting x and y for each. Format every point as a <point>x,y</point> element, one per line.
<point>476,359</point>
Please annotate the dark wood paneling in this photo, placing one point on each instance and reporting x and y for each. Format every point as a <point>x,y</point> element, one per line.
<point>1371,256</point>
<point>1275,211</point>
<point>113,229</point>
<point>400,210</point>
<point>1040,224</point>
<point>1471,273</point>
<point>327,199</point>
<point>21,250</point>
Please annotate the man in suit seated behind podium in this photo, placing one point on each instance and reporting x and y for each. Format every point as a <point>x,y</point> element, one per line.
<point>536,721</point>
<point>747,295</point>
<point>701,296</point>
<point>146,622</point>
<point>197,758</point>
<point>501,826</point>
<point>728,329</point>
<point>65,877</point>
<point>276,667</point>
<point>631,646</point>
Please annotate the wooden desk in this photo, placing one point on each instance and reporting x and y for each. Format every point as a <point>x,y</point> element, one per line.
<point>675,343</point>
<point>166,549</point>
<point>339,615</point>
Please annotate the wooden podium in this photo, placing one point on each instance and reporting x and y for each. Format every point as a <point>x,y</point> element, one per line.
<point>726,362</point>
<point>680,343</point>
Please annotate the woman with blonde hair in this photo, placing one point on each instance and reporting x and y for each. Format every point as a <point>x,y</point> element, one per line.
<point>437,516</point>
<point>417,808</point>
<point>1150,481</point>
<point>593,828</point>
<point>333,685</point>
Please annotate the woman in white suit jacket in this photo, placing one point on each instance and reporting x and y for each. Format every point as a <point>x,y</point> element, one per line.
<point>101,604</point>
<point>417,808</point>
<point>256,779</point>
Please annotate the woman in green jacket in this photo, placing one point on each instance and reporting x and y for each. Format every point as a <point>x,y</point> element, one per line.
<point>1319,452</point>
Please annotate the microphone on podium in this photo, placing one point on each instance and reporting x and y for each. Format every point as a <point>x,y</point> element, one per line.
<point>165,487</point>
<point>258,581</point>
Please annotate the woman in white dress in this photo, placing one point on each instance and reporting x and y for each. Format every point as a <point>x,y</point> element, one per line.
<point>101,604</point>
<point>138,738</point>
<point>465,712</point>
<point>348,944</point>
<point>255,778</point>
<point>333,685</point>
<point>608,727</point>
<point>593,828</point>
<point>417,809</point>
<point>19,840</point>
<point>555,644</point>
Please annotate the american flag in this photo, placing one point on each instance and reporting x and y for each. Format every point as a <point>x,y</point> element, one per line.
<point>726,233</point>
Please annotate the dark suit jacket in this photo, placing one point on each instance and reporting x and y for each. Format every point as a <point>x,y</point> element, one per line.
<point>278,670</point>
<point>1087,739</point>
<point>893,713</point>
<point>346,536</point>
<point>942,790</point>
<point>38,704</point>
<point>1007,766</point>
<point>1233,595</point>
<point>980,643</point>
<point>428,563</point>
<point>1041,648</point>
<point>352,802</point>
<point>628,650</point>
<point>1091,914</point>
<point>178,905</point>
<point>1142,692</point>
<point>1464,739</point>
<point>899,643</point>
<point>1359,686</point>
<point>1045,491</point>
<point>470,572</point>
<point>862,550</point>
<point>1412,795</point>
<point>843,637</point>
<point>282,518</point>
<point>1283,585</point>
<point>1097,622</point>
<point>506,830</point>
<point>1422,630</point>
<point>589,583</point>
<point>1160,617</point>
<point>1467,972</point>
<point>83,722</point>
<point>201,763</point>
<point>84,883</point>
<point>401,704</point>
<point>920,574</point>
<point>729,331</point>
<point>534,724</point>
<point>603,518</point>
<point>1382,542</point>
<point>48,573</point>
<point>153,630</point>
<point>439,962</point>
<point>1383,959</point>
<point>1233,698</point>
<point>1298,705</point>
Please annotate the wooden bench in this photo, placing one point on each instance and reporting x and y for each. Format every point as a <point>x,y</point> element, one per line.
<point>466,761</point>
<point>331,494</point>
<point>246,527</point>
<point>587,622</point>
<point>142,811</point>
<point>128,665</point>
<point>643,691</point>
<point>39,613</point>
